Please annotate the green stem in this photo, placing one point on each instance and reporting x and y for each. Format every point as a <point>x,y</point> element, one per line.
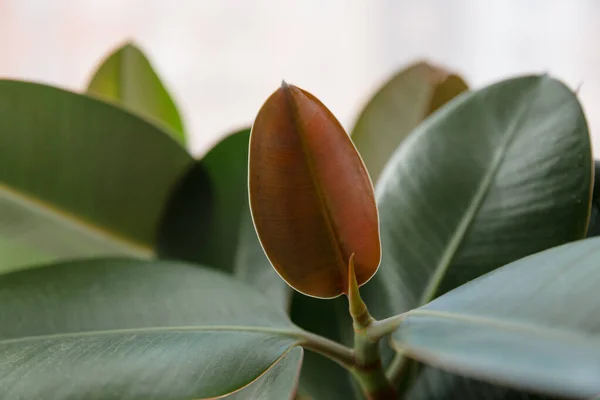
<point>379,329</point>
<point>329,348</point>
<point>368,369</point>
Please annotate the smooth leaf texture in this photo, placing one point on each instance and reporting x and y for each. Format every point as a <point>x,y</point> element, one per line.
<point>78,177</point>
<point>310,195</point>
<point>131,329</point>
<point>532,324</point>
<point>498,174</point>
<point>208,220</point>
<point>280,382</point>
<point>127,78</point>
<point>494,176</point>
<point>399,107</point>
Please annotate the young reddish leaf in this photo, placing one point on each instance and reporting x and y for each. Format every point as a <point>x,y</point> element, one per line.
<point>311,197</point>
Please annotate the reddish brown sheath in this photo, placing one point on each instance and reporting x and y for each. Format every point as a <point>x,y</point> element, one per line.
<point>311,198</point>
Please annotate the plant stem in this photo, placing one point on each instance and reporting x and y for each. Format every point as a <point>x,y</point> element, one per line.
<point>368,369</point>
<point>329,348</point>
<point>379,329</point>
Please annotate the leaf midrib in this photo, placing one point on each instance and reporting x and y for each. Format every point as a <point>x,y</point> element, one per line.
<point>477,201</point>
<point>325,210</point>
<point>497,324</point>
<point>291,333</point>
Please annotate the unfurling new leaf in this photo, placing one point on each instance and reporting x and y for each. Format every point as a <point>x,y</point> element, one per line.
<point>311,197</point>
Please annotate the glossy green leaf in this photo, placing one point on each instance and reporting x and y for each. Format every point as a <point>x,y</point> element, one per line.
<point>127,78</point>
<point>131,329</point>
<point>78,177</point>
<point>532,324</point>
<point>494,176</point>
<point>208,220</point>
<point>399,107</point>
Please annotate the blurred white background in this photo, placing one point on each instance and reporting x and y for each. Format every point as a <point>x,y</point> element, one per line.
<point>222,58</point>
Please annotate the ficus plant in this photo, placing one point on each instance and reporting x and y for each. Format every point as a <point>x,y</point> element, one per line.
<point>436,251</point>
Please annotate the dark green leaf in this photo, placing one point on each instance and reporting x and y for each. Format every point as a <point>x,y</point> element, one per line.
<point>208,219</point>
<point>127,78</point>
<point>495,175</point>
<point>78,177</point>
<point>594,226</point>
<point>130,329</point>
<point>435,384</point>
<point>533,324</point>
<point>399,107</point>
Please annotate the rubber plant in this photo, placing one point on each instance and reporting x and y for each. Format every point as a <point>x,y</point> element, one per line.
<point>271,267</point>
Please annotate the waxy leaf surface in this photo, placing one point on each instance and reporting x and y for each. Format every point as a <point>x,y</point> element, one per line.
<point>131,329</point>
<point>533,324</point>
<point>311,198</point>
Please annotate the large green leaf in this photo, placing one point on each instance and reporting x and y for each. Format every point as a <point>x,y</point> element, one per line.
<point>494,176</point>
<point>498,174</point>
<point>126,77</point>
<point>78,177</point>
<point>132,329</point>
<point>532,324</point>
<point>398,107</point>
<point>208,219</point>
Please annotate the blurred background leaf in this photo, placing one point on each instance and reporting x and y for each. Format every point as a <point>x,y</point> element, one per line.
<point>398,107</point>
<point>127,78</point>
<point>208,219</point>
<point>79,177</point>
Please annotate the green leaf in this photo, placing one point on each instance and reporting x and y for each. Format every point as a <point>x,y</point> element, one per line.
<point>594,225</point>
<point>132,329</point>
<point>494,176</point>
<point>208,219</point>
<point>533,324</point>
<point>399,107</point>
<point>127,78</point>
<point>435,384</point>
<point>78,177</point>
<point>278,383</point>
